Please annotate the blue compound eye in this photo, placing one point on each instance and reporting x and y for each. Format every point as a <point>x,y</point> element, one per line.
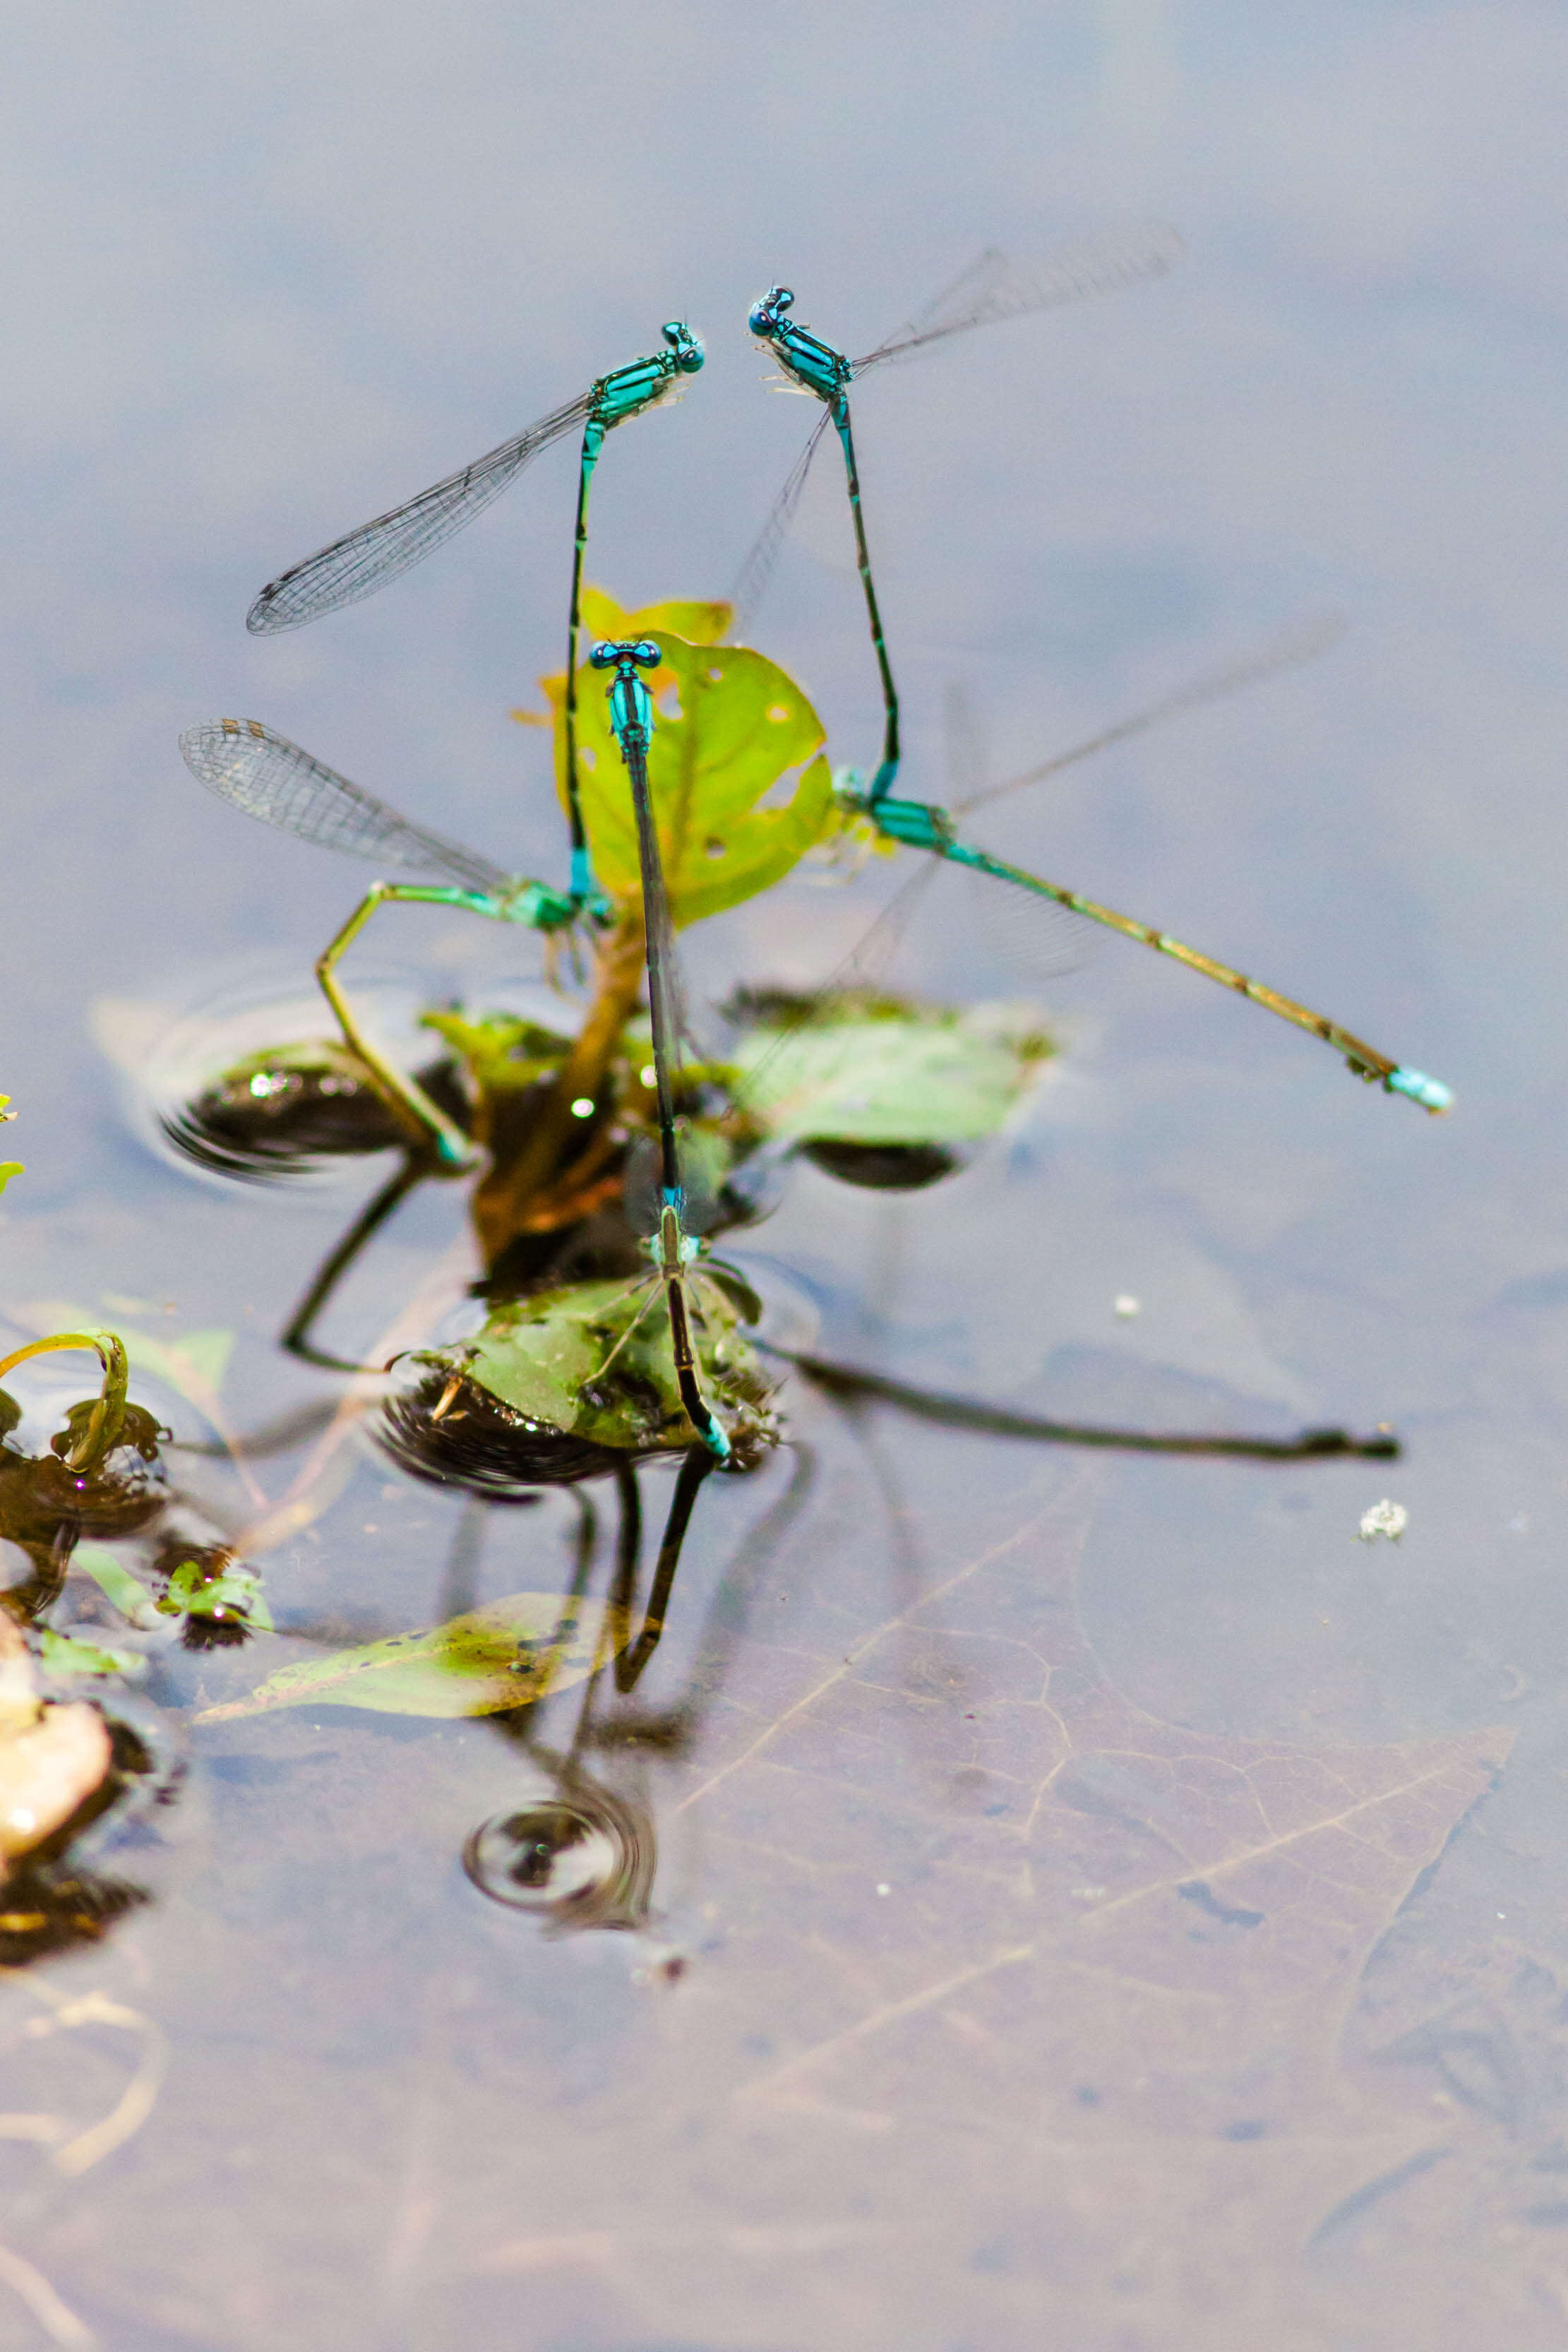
<point>603,655</point>
<point>760,320</point>
<point>646,654</point>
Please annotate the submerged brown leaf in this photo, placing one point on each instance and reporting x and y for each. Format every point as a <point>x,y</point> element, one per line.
<point>51,1757</point>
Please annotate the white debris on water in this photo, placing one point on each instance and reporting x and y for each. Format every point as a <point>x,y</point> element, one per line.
<point>1384,1518</point>
<point>1126,1305</point>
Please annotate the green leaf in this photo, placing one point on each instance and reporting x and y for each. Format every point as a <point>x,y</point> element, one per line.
<point>8,1168</point>
<point>882,1073</point>
<point>503,1052</point>
<point>700,624</point>
<point>198,1589</point>
<point>64,1654</point>
<point>127,1592</point>
<point>594,1359</point>
<point>740,788</point>
<point>503,1657</point>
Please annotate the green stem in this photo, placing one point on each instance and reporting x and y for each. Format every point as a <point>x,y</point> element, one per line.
<point>108,1416</point>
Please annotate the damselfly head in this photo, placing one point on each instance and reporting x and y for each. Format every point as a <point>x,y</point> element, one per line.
<point>685,347</point>
<point>643,653</point>
<point>768,316</point>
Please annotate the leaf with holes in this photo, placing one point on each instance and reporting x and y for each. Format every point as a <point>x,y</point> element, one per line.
<point>740,788</point>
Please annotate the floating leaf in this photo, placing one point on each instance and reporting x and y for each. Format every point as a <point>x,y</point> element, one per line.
<point>877,1072</point>
<point>8,1168</point>
<point>507,1655</point>
<point>593,1359</point>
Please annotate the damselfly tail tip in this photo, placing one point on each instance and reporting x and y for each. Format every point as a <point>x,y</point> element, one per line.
<point>1430,1093</point>
<point>715,1441</point>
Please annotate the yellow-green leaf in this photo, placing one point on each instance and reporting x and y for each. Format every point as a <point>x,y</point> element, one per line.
<point>700,624</point>
<point>740,788</point>
<point>507,1655</point>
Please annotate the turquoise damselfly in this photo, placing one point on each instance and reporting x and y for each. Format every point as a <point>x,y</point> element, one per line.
<point>366,559</point>
<point>990,292</point>
<point>673,1250</point>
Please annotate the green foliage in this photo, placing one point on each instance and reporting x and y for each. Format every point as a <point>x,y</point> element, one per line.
<point>8,1168</point>
<point>503,1052</point>
<point>507,1655</point>
<point>69,1655</point>
<point>740,787</point>
<point>872,1070</point>
<point>550,1359</point>
<point>206,1586</point>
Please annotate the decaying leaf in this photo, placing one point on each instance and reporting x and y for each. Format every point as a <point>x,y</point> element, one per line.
<point>52,1757</point>
<point>506,1655</point>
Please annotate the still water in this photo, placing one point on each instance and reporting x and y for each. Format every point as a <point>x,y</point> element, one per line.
<point>1036,1888</point>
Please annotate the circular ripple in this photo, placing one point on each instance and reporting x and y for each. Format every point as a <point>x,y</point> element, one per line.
<point>582,1858</point>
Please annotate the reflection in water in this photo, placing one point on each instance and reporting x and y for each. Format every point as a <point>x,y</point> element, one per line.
<point>481,1444</point>
<point>583,1859</point>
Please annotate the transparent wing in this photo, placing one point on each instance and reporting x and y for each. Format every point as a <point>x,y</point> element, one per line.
<point>365,560</point>
<point>757,569</point>
<point>1301,643</point>
<point>995,287</point>
<point>267,777</point>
